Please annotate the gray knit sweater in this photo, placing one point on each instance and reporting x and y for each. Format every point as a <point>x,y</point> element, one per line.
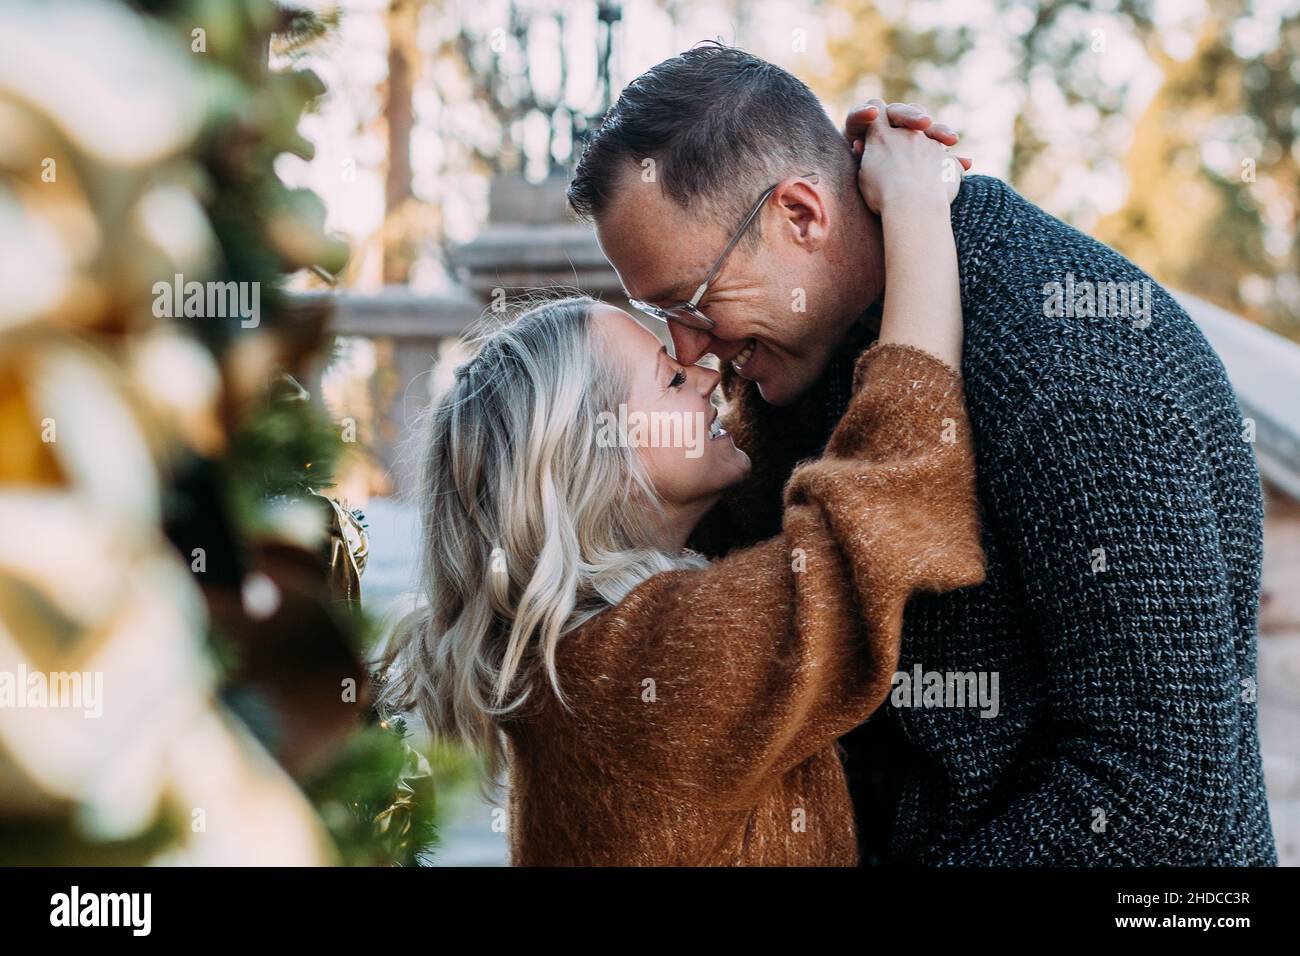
<point>1123,519</point>
<point>1122,512</point>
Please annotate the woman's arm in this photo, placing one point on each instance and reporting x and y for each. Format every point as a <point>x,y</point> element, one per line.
<point>711,683</point>
<point>910,181</point>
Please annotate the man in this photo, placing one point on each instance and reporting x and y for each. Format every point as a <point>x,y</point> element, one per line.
<point>1115,634</point>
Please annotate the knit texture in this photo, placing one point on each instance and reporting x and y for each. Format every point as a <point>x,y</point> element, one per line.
<point>1122,516</point>
<point>704,710</point>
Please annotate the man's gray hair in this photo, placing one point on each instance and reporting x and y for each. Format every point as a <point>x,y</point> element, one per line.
<point>721,125</point>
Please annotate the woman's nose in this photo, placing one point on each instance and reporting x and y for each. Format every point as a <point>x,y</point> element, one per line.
<point>706,379</point>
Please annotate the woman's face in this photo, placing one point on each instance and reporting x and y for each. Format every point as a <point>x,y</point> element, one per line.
<point>667,416</point>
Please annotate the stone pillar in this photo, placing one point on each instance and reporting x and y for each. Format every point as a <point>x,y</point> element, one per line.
<point>531,242</point>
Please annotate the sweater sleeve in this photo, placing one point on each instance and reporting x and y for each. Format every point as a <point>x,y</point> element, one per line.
<point>715,681</point>
<point>1137,635</point>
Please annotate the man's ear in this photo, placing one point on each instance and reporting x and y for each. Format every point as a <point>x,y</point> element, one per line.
<point>804,213</point>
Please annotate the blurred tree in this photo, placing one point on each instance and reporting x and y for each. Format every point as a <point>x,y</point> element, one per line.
<point>877,52</point>
<point>1214,171</point>
<point>1063,42</point>
<point>402,212</point>
<point>495,58</point>
<point>179,493</point>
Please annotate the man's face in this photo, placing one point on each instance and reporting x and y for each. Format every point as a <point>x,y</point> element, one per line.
<point>778,310</point>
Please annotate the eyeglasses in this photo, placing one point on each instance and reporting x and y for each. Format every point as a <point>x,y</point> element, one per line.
<point>688,313</point>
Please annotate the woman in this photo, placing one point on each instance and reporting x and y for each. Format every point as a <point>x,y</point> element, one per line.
<point>651,707</point>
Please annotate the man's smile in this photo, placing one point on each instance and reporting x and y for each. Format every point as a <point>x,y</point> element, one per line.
<point>739,361</point>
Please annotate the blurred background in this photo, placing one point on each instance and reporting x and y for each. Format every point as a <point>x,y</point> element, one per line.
<point>386,169</point>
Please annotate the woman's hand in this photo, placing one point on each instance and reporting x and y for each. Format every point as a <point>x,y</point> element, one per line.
<point>909,180</point>
<point>904,166</point>
<point>904,115</point>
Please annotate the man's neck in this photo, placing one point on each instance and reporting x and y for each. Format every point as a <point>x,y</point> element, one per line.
<point>860,262</point>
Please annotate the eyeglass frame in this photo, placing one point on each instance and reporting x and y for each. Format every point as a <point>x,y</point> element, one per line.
<point>690,307</point>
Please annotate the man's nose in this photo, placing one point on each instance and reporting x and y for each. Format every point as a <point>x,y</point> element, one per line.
<point>689,345</point>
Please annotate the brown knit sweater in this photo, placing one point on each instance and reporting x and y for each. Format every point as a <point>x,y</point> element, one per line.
<point>705,707</point>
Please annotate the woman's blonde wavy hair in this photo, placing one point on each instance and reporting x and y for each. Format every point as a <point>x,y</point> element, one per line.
<point>529,525</point>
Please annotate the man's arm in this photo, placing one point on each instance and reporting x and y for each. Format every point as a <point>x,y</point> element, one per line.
<point>1102,492</point>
